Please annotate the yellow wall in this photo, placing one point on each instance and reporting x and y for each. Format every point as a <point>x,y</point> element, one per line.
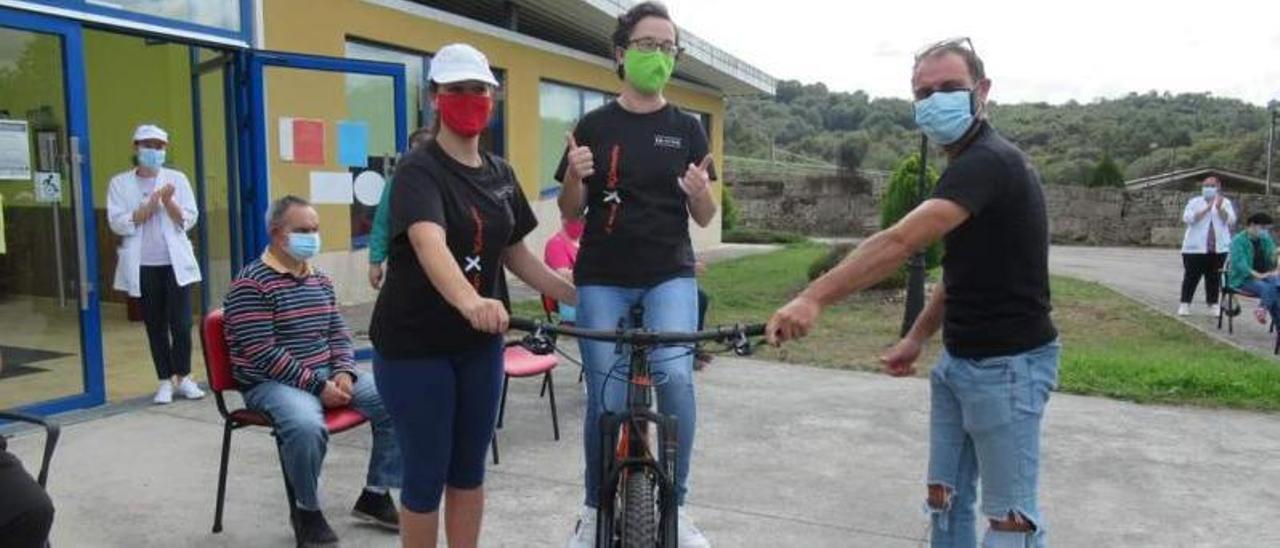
<point>296,26</point>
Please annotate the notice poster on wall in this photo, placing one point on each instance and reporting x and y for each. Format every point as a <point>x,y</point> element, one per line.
<point>332,187</point>
<point>15,150</point>
<point>301,140</point>
<point>353,143</point>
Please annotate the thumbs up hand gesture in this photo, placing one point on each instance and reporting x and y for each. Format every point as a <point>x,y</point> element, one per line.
<point>580,163</point>
<point>697,178</point>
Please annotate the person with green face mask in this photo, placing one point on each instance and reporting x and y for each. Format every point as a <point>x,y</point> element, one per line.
<point>640,168</point>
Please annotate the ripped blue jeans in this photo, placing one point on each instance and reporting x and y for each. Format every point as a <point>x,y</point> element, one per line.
<point>985,425</point>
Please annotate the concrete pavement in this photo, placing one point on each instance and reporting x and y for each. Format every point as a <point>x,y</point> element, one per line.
<point>1153,276</point>
<point>786,456</point>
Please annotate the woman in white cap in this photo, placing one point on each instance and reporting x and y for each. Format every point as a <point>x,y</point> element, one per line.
<point>152,207</point>
<point>458,216</point>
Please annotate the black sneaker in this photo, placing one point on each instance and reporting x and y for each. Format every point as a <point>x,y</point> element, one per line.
<point>378,509</point>
<point>312,531</point>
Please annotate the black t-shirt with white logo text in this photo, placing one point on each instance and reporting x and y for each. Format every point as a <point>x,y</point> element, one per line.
<point>996,264</point>
<point>637,218</point>
<point>483,211</point>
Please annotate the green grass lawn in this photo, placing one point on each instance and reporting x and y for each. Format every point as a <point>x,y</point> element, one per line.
<point>1112,346</point>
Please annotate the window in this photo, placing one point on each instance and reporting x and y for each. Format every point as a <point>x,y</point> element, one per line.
<point>222,14</point>
<point>560,106</point>
<point>415,73</point>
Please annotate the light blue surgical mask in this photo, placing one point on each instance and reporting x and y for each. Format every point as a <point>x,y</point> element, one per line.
<point>150,157</point>
<point>304,245</point>
<point>945,116</point>
<point>1210,192</point>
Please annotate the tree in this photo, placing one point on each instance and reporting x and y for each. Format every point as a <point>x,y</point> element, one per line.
<point>902,196</point>
<point>851,151</point>
<point>1106,174</point>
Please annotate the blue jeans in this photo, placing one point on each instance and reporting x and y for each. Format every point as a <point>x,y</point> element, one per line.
<point>984,425</point>
<point>1265,289</point>
<point>444,409</point>
<point>669,306</point>
<point>299,424</point>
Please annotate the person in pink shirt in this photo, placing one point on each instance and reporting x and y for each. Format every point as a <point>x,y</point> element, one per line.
<point>561,255</point>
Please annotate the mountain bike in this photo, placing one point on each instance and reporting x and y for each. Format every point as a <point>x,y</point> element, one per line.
<point>637,488</point>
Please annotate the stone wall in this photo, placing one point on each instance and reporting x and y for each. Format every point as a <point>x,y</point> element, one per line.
<point>1090,216</point>
<point>845,207</point>
<point>823,205</point>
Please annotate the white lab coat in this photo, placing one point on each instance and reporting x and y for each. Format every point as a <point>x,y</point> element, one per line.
<point>1196,239</point>
<point>123,198</point>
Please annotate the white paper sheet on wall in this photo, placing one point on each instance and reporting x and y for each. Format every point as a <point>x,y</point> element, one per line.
<point>332,187</point>
<point>286,138</point>
<point>15,150</point>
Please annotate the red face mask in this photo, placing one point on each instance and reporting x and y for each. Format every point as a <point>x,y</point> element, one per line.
<point>464,113</point>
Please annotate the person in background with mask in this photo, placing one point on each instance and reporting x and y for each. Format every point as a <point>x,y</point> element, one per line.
<point>992,381</point>
<point>1209,218</point>
<point>561,254</point>
<point>640,168</point>
<point>458,217</point>
<point>152,207</point>
<point>1253,267</point>
<point>292,356</point>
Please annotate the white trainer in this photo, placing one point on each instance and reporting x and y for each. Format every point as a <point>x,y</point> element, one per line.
<point>1211,309</point>
<point>1184,309</point>
<point>189,389</point>
<point>690,536</point>
<point>584,533</point>
<point>164,394</point>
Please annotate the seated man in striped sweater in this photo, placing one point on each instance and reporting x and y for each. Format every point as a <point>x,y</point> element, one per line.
<point>291,353</point>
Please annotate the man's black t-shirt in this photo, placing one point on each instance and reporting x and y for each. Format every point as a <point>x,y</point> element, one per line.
<point>996,264</point>
<point>482,210</point>
<point>637,219</point>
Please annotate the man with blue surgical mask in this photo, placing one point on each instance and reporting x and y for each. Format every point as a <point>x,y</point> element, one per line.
<point>992,381</point>
<point>152,208</point>
<point>1209,217</point>
<point>292,357</point>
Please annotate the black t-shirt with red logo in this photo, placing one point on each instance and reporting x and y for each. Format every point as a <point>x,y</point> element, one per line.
<point>482,210</point>
<point>637,219</point>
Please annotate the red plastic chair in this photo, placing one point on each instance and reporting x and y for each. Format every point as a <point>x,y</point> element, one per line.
<point>217,363</point>
<point>518,362</point>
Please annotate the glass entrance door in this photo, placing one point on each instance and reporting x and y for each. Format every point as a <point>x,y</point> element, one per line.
<point>50,345</point>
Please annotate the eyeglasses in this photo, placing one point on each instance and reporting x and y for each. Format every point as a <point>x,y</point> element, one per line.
<point>649,45</point>
<point>962,42</point>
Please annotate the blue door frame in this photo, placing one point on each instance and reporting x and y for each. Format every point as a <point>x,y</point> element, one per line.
<point>255,191</point>
<point>92,367</point>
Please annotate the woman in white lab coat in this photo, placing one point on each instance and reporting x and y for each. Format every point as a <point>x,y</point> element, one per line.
<point>152,208</point>
<point>1209,218</point>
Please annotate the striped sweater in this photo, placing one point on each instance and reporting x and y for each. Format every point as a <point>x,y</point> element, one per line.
<point>281,327</point>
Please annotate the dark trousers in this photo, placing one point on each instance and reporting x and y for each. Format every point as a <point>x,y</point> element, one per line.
<point>26,513</point>
<point>1202,265</point>
<point>166,310</point>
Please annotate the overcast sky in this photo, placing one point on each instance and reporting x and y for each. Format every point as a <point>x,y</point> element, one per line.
<point>1035,50</point>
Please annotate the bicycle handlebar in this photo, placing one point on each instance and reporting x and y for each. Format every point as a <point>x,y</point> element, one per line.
<point>640,336</point>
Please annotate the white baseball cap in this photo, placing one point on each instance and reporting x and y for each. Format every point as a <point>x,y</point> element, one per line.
<point>460,63</point>
<point>149,131</point>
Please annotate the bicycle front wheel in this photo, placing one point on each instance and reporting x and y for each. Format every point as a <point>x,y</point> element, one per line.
<point>639,510</point>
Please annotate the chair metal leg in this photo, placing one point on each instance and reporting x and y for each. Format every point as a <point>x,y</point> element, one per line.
<point>550,383</point>
<point>222,478</point>
<point>502,407</point>
<point>494,446</point>
<point>288,487</point>
<point>542,392</point>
